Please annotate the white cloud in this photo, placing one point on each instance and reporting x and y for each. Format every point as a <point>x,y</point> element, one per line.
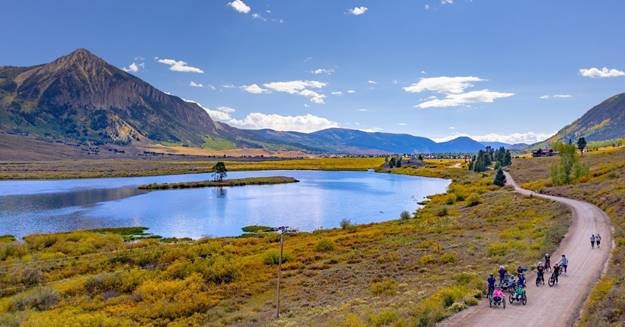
<point>133,67</point>
<point>555,96</point>
<point>351,91</point>
<point>455,100</point>
<point>254,89</point>
<point>256,120</point>
<point>363,109</point>
<point>319,71</point>
<point>228,86</point>
<point>443,84</point>
<point>372,129</point>
<point>240,6</point>
<point>357,11</point>
<point>372,82</point>
<point>604,72</point>
<point>300,87</point>
<point>513,138</point>
<point>180,66</point>
<point>427,7</point>
<point>402,124</point>
<point>194,84</point>
<point>447,2</point>
<point>338,93</point>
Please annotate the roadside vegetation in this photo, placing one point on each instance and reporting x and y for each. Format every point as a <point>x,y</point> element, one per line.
<point>604,186</point>
<point>411,271</point>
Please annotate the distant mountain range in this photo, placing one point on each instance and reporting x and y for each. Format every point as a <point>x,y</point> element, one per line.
<point>82,98</point>
<point>605,121</point>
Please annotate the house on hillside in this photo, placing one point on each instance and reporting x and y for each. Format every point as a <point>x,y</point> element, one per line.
<point>544,153</point>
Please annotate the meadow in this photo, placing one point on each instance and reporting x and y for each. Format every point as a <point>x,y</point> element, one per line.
<point>159,166</point>
<point>604,187</point>
<point>410,271</point>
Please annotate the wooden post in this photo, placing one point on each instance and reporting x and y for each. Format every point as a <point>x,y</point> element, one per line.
<point>279,273</point>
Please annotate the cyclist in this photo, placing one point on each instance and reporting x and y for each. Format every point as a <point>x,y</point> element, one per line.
<point>502,274</point>
<point>547,261</point>
<point>491,284</point>
<point>540,273</point>
<point>556,272</point>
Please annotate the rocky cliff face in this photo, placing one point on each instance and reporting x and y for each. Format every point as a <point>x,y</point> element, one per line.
<point>80,96</point>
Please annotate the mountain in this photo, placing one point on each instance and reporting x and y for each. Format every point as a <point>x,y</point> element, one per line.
<point>515,147</point>
<point>605,121</point>
<point>81,99</point>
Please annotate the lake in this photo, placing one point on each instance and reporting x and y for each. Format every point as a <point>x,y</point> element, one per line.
<point>320,200</point>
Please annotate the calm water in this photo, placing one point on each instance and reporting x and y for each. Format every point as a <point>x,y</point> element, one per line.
<point>320,199</point>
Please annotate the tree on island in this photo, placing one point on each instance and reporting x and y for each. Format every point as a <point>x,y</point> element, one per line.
<point>581,145</point>
<point>500,178</point>
<point>219,171</point>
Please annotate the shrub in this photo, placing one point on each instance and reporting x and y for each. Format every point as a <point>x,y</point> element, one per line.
<point>324,245</point>
<point>449,257</point>
<point>405,215</point>
<point>39,298</point>
<point>451,199</point>
<point>386,286</point>
<point>273,257</point>
<point>473,200</point>
<point>384,318</point>
<point>442,212</point>
<point>346,223</point>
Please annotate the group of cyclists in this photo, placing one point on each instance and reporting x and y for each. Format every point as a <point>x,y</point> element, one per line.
<point>515,285</point>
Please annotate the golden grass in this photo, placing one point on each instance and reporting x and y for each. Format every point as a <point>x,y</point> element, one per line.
<point>418,270</point>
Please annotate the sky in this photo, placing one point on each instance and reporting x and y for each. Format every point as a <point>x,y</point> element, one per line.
<point>496,70</point>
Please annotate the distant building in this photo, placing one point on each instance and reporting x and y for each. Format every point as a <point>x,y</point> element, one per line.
<point>544,153</point>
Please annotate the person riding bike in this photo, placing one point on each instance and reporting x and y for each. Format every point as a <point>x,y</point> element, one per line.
<point>540,273</point>
<point>556,272</point>
<point>520,281</point>
<point>547,261</point>
<point>518,292</point>
<point>491,284</point>
<point>497,294</point>
<point>564,263</point>
<point>502,273</point>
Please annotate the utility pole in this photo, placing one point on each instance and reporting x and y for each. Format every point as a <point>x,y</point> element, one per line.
<point>282,230</point>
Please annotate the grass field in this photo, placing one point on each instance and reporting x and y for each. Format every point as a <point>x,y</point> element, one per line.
<point>147,167</point>
<point>223,183</point>
<point>605,187</point>
<point>404,272</point>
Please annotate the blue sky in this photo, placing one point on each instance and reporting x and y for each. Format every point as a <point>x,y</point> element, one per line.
<point>491,69</point>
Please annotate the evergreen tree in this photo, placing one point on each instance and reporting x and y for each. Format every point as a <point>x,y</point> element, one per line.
<point>507,158</point>
<point>391,162</point>
<point>500,178</point>
<point>581,145</point>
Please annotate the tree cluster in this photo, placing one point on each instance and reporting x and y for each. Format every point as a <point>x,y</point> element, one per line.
<point>569,168</point>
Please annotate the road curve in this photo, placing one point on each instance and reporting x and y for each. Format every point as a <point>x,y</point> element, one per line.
<point>560,305</point>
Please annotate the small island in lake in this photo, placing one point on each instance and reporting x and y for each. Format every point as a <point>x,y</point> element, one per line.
<point>220,183</point>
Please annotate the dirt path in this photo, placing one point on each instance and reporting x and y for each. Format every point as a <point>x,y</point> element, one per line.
<point>560,305</point>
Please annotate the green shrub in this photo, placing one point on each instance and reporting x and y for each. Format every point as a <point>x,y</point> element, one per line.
<point>324,245</point>
<point>346,223</point>
<point>273,257</point>
<point>473,200</point>
<point>405,215</point>
<point>384,318</point>
<point>442,212</point>
<point>39,298</point>
<point>386,286</point>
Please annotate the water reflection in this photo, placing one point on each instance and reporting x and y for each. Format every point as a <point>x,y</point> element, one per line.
<point>321,199</point>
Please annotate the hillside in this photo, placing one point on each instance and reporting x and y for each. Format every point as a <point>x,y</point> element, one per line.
<point>81,100</point>
<point>605,121</point>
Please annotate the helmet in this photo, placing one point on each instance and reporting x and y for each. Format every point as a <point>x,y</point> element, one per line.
<point>491,274</point>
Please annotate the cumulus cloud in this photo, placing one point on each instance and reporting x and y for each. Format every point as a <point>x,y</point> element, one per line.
<point>443,84</point>
<point>194,84</point>
<point>338,93</point>
<point>555,96</point>
<point>447,2</point>
<point>240,6</point>
<point>299,87</point>
<point>254,89</point>
<point>454,89</point>
<point>351,91</point>
<point>461,99</point>
<point>513,138</point>
<point>604,72</point>
<point>372,82</point>
<point>133,67</point>
<point>256,120</point>
<point>357,11</point>
<point>320,71</point>
<point>180,66</point>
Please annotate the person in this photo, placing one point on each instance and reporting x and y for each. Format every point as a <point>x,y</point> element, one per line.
<point>497,294</point>
<point>520,270</point>
<point>491,284</point>
<point>518,292</point>
<point>598,240</point>
<point>540,273</point>
<point>592,241</point>
<point>547,261</point>
<point>564,263</point>
<point>521,281</point>
<point>502,273</point>
<point>556,272</point>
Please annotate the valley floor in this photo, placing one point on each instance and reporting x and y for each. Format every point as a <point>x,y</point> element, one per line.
<point>413,271</point>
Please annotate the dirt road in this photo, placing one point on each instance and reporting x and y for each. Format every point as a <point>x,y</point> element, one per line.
<point>560,305</point>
